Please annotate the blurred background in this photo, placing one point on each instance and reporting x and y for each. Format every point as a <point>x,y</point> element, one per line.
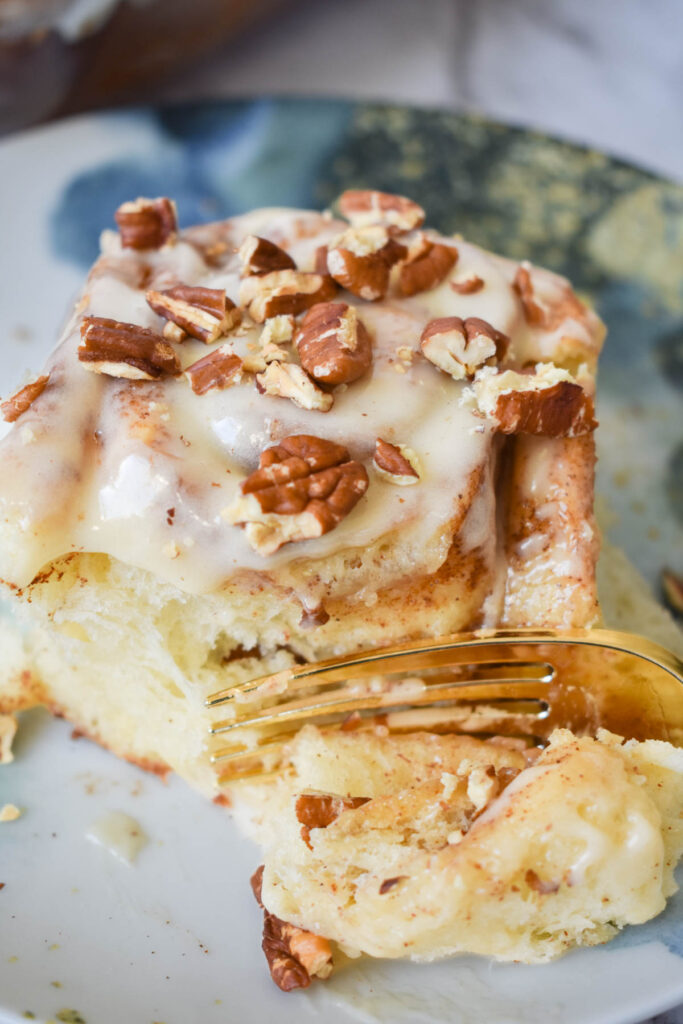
<point>606,73</point>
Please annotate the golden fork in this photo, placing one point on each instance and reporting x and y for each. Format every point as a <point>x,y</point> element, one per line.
<point>522,683</point>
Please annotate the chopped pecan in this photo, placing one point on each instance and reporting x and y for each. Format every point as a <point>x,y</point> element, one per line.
<point>218,369</point>
<point>284,292</point>
<point>256,882</point>
<point>320,260</point>
<point>395,463</point>
<point>277,331</point>
<point>294,955</point>
<point>427,265</point>
<point>205,313</point>
<point>174,333</point>
<point>482,786</point>
<point>333,343</point>
<point>260,256</point>
<point>311,618</point>
<point>303,488</point>
<point>147,223</point>
<point>506,775</point>
<point>547,402</point>
<point>672,585</point>
<point>318,810</point>
<point>534,313</point>
<point>460,347</point>
<point>360,261</point>
<point>13,407</point>
<point>125,350</point>
<point>469,286</point>
<point>544,887</point>
<point>390,883</point>
<point>364,206</point>
<point>287,380</point>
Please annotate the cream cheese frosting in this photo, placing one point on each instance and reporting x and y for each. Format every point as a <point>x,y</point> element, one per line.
<point>143,470</point>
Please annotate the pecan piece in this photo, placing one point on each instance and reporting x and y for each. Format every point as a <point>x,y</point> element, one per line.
<point>147,223</point>
<point>287,380</point>
<point>311,618</point>
<point>174,333</point>
<point>260,256</point>
<point>284,292</point>
<point>469,286</point>
<point>547,402</point>
<point>390,883</point>
<point>13,407</point>
<point>333,343</point>
<point>460,347</point>
<point>219,369</point>
<point>320,260</point>
<point>395,463</point>
<point>542,886</point>
<point>360,261</point>
<point>303,488</point>
<point>125,350</point>
<point>364,206</point>
<point>426,267</point>
<point>294,955</point>
<point>205,313</point>
<point>318,810</point>
<point>277,331</point>
<point>534,313</point>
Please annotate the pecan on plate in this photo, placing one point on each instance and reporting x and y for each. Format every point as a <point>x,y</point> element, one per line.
<point>218,369</point>
<point>333,343</point>
<point>205,313</point>
<point>294,955</point>
<point>365,206</point>
<point>459,347</point>
<point>361,259</point>
<point>147,223</point>
<point>125,350</point>
<point>427,265</point>
<point>304,487</point>
<point>547,402</point>
<point>396,464</point>
<point>284,292</point>
<point>17,404</point>
<point>260,256</point>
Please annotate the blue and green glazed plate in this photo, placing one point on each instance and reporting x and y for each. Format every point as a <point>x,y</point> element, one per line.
<point>175,938</point>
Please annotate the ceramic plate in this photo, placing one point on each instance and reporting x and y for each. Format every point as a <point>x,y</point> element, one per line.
<point>174,938</point>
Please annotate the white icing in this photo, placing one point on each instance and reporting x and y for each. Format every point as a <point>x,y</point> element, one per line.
<point>109,459</point>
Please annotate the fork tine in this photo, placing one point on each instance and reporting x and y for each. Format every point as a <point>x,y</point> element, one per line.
<point>461,649</point>
<point>482,721</point>
<point>521,683</point>
<point>340,702</point>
